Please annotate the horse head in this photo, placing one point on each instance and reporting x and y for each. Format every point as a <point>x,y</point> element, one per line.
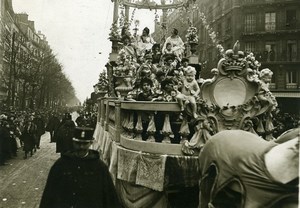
<point>240,169</point>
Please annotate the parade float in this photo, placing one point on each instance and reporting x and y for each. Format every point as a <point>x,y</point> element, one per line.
<point>152,147</point>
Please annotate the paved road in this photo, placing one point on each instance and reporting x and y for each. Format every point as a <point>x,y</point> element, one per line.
<point>22,181</point>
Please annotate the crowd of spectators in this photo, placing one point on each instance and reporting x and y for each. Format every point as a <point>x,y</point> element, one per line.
<point>21,131</point>
<point>285,121</point>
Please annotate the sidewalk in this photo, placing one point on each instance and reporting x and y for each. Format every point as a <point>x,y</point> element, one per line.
<point>22,181</point>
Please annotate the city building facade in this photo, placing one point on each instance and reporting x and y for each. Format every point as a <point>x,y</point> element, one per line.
<point>270,29</point>
<point>22,50</point>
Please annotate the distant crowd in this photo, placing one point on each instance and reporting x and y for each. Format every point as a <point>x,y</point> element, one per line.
<point>21,131</point>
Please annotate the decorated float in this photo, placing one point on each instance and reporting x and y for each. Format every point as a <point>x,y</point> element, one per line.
<point>149,141</point>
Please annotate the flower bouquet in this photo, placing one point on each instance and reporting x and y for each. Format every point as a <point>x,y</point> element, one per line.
<point>192,36</point>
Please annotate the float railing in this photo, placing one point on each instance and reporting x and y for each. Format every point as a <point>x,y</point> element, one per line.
<point>154,127</point>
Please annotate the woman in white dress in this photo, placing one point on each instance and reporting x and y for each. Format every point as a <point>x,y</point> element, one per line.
<point>176,42</point>
<point>144,42</point>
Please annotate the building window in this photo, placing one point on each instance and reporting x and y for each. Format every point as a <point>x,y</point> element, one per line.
<point>291,50</point>
<point>249,47</point>
<point>250,23</point>
<point>270,52</point>
<point>291,19</point>
<point>270,21</point>
<point>291,79</point>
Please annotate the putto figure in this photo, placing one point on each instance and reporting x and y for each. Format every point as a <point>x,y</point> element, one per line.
<point>189,91</point>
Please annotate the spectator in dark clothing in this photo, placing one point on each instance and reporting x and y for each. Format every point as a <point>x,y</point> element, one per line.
<point>64,137</point>
<point>79,178</point>
<point>4,142</point>
<point>12,137</point>
<point>40,125</point>
<point>28,139</point>
<point>80,120</point>
<point>52,126</point>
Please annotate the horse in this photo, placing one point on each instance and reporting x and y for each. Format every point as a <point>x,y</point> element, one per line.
<point>240,169</point>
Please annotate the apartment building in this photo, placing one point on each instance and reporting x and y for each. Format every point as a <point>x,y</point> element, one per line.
<point>268,28</point>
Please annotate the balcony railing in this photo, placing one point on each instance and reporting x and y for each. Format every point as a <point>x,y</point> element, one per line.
<point>291,86</point>
<point>265,56</point>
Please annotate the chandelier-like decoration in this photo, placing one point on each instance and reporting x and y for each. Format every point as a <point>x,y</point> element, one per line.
<point>155,4</point>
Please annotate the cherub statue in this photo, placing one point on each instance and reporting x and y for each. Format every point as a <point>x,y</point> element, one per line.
<point>189,91</point>
<point>264,94</point>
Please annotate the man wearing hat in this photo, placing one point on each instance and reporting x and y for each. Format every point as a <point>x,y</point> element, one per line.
<point>79,178</point>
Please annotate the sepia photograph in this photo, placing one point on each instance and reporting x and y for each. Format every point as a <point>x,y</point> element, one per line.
<point>149,103</point>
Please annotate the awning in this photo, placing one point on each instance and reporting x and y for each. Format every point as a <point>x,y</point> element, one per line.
<point>287,94</point>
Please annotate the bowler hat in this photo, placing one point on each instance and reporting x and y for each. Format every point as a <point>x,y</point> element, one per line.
<point>83,134</point>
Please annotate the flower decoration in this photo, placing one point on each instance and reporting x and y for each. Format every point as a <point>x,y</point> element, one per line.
<point>125,65</point>
<point>114,31</point>
<point>252,62</point>
<point>192,35</point>
<point>170,97</point>
<point>102,82</point>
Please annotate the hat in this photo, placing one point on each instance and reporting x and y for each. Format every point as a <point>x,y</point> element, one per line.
<point>83,134</point>
<point>169,57</point>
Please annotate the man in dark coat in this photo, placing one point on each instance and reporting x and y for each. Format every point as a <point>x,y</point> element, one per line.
<point>81,120</point>
<point>52,126</point>
<point>64,137</point>
<point>79,178</point>
<point>40,125</point>
<point>28,137</point>
<point>4,142</point>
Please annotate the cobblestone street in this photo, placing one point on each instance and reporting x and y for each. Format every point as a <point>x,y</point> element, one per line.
<point>22,181</point>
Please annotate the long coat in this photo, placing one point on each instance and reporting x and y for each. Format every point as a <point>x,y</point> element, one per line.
<point>64,137</point>
<point>52,127</point>
<point>79,182</point>
<point>28,137</point>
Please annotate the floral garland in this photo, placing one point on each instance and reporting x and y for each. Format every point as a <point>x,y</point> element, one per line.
<point>212,34</point>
